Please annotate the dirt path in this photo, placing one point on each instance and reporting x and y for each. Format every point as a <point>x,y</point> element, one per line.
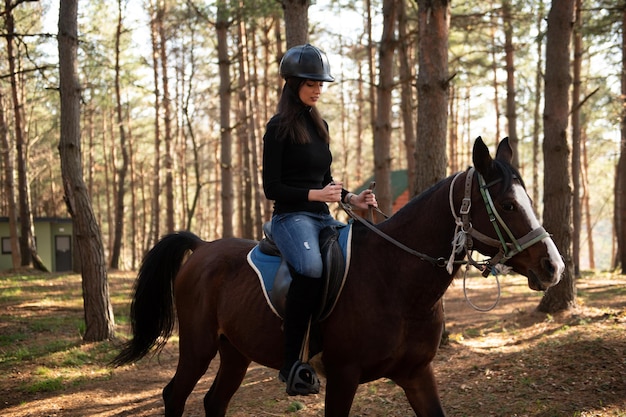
<point>507,362</point>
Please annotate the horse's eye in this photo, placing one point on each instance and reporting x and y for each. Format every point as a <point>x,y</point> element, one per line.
<point>508,206</point>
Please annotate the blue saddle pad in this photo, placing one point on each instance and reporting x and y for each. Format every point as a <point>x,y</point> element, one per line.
<point>266,266</point>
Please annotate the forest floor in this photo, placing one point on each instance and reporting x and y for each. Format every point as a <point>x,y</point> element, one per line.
<point>511,361</point>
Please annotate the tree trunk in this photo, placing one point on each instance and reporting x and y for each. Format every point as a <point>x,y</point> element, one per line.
<point>537,100</point>
<point>296,14</point>
<point>495,66</point>
<point>244,133</point>
<point>28,247</point>
<point>226,162</point>
<point>8,187</point>
<point>432,91</point>
<point>382,125</point>
<point>509,50</point>
<point>406,93</point>
<point>620,175</point>
<point>123,167</point>
<point>557,190</point>
<point>99,317</point>
<point>586,203</point>
<point>576,198</point>
<point>167,120</point>
<point>156,168</point>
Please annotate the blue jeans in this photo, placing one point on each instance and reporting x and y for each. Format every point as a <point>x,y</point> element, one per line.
<point>297,237</point>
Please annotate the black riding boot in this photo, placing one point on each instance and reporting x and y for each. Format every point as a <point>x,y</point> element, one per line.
<point>302,299</point>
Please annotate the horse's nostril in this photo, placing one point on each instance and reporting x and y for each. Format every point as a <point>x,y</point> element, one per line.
<point>547,266</point>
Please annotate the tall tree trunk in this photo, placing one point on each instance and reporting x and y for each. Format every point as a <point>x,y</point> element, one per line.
<point>156,175</point>
<point>576,198</point>
<point>226,162</point>
<point>99,317</point>
<point>432,92</point>
<point>586,202</point>
<point>536,109</point>
<point>382,125</point>
<point>120,182</point>
<point>296,14</point>
<point>195,194</point>
<point>28,247</point>
<point>167,119</point>
<point>371,59</point>
<point>255,134</point>
<point>557,190</point>
<point>620,175</point>
<point>406,93</point>
<point>8,187</point>
<point>495,66</point>
<point>509,53</point>
<point>244,133</point>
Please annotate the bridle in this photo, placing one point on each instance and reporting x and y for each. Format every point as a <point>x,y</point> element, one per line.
<point>465,232</point>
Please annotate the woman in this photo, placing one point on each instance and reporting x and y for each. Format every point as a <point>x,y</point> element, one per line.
<point>297,176</point>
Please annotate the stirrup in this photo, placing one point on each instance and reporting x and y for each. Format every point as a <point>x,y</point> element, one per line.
<point>302,380</point>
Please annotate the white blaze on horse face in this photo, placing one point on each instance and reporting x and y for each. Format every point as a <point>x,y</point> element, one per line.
<point>525,205</point>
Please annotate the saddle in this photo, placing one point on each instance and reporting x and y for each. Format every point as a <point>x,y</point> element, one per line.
<point>274,272</point>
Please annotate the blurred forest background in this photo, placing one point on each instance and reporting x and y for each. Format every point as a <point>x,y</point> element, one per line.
<point>175,95</point>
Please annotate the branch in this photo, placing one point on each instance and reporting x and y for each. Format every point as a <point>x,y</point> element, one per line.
<point>579,105</point>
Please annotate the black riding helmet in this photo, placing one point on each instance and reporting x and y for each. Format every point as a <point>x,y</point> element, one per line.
<point>306,61</point>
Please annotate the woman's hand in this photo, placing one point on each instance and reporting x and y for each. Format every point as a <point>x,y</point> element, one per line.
<point>363,200</point>
<point>329,194</point>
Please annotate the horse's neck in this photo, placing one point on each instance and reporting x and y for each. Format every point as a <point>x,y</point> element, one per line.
<point>427,226</point>
<point>426,223</point>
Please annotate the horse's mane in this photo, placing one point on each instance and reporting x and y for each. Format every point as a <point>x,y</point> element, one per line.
<point>506,172</point>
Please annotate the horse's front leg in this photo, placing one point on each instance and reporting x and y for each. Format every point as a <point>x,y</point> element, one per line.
<point>421,391</point>
<point>341,386</point>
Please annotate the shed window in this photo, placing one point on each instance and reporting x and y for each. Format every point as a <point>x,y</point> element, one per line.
<point>6,245</point>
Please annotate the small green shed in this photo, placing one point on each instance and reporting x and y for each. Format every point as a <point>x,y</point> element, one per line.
<point>54,243</point>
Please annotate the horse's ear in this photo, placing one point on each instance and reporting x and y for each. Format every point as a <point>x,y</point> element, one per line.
<point>480,156</point>
<point>504,152</point>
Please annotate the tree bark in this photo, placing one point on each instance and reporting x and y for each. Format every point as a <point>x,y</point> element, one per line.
<point>296,14</point>
<point>98,310</point>
<point>28,247</point>
<point>620,175</point>
<point>226,162</point>
<point>382,125</point>
<point>8,187</point>
<point>509,53</point>
<point>576,147</point>
<point>557,190</point>
<point>167,119</point>
<point>406,93</point>
<point>120,182</point>
<point>155,224</point>
<point>537,100</point>
<point>432,91</point>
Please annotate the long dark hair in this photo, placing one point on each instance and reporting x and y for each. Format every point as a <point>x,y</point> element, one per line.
<point>291,111</point>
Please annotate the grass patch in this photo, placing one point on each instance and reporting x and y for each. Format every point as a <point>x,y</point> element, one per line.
<point>41,346</point>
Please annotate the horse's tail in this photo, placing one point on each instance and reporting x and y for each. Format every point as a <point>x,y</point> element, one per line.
<point>152,310</point>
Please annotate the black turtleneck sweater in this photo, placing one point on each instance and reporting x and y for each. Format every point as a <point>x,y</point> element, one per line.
<point>290,170</point>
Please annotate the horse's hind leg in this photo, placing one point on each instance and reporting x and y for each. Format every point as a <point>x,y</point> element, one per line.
<point>422,393</point>
<point>192,364</point>
<point>232,370</point>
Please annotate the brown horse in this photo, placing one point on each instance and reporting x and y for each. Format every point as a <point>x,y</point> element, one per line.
<point>388,320</point>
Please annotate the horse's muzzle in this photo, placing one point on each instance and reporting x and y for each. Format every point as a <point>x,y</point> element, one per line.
<point>549,275</point>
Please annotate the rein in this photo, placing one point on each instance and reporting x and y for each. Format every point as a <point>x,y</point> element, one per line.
<point>435,261</point>
<point>465,233</point>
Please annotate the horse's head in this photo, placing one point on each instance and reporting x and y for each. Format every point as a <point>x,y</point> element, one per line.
<point>514,235</point>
